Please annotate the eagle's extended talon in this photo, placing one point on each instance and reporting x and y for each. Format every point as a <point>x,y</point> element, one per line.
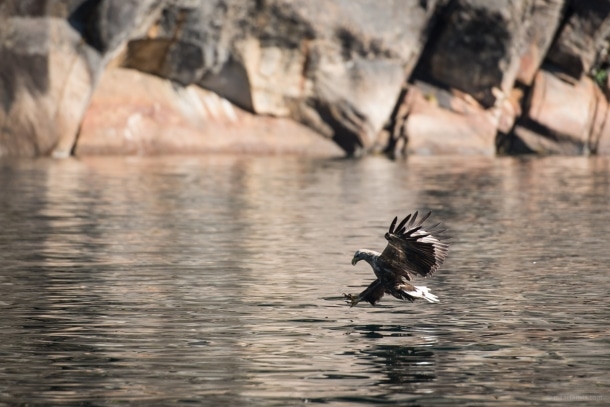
<point>351,299</point>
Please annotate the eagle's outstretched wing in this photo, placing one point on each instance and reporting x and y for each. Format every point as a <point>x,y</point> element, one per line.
<point>412,248</point>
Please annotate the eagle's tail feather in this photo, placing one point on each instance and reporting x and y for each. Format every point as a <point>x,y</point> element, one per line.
<point>420,292</point>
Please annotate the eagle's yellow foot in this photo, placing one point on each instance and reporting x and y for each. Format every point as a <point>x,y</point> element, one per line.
<point>351,299</point>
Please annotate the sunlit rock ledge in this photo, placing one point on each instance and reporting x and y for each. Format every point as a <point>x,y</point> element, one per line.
<point>140,114</point>
<point>468,77</point>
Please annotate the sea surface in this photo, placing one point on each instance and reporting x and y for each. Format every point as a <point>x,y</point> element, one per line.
<point>218,281</point>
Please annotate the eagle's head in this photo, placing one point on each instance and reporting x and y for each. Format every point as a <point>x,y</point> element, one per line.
<point>364,254</point>
<point>357,257</point>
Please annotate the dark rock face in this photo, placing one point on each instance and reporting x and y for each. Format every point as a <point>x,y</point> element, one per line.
<point>580,39</point>
<point>400,76</point>
<point>477,47</point>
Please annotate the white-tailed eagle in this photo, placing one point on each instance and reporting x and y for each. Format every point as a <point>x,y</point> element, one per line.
<point>412,249</point>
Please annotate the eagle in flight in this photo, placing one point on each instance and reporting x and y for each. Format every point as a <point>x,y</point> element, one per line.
<point>412,249</point>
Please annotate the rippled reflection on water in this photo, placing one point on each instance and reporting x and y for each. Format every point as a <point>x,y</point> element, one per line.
<point>218,281</point>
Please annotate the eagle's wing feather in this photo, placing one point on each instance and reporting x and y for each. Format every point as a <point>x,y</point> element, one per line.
<point>413,249</point>
<point>400,229</point>
<point>393,224</point>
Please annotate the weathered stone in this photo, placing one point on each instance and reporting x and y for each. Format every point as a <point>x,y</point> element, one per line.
<point>540,29</point>
<point>477,47</point>
<point>587,28</point>
<point>105,25</point>
<point>51,54</point>
<point>436,122</point>
<point>508,109</point>
<point>599,136</point>
<point>337,68</point>
<point>134,113</point>
<point>560,118</point>
<point>561,107</point>
<point>602,145</point>
<point>45,86</point>
<point>528,141</point>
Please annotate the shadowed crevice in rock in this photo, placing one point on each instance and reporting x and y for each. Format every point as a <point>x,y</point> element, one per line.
<point>154,56</point>
<point>232,82</point>
<point>531,137</point>
<point>28,71</point>
<point>347,137</point>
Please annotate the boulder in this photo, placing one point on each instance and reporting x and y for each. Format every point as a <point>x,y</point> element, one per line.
<point>540,26</point>
<point>51,54</point>
<point>436,122</point>
<point>476,47</point>
<point>582,37</point>
<point>337,68</point>
<point>44,79</point>
<point>560,117</point>
<point>603,144</point>
<point>132,113</point>
<point>599,135</point>
<point>352,72</point>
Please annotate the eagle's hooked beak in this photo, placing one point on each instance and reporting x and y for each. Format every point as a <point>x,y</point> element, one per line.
<point>355,260</point>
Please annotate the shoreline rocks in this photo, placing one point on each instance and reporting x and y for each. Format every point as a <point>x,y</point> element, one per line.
<point>135,114</point>
<point>467,77</point>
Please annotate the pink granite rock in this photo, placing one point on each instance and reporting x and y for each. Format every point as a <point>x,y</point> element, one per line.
<point>437,122</point>
<point>563,117</point>
<point>140,114</point>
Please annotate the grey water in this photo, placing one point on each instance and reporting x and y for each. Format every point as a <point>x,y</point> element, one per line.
<point>218,280</point>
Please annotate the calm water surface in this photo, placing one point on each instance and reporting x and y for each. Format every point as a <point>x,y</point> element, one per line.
<point>218,280</point>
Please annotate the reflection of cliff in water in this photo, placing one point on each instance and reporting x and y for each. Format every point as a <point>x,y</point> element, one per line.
<point>399,363</point>
<point>402,364</point>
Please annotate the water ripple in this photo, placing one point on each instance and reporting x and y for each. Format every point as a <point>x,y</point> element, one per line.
<point>218,281</point>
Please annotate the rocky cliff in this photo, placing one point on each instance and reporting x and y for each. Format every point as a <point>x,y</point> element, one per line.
<point>304,76</point>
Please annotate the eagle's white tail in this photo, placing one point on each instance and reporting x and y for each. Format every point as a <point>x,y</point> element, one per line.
<point>422,292</point>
